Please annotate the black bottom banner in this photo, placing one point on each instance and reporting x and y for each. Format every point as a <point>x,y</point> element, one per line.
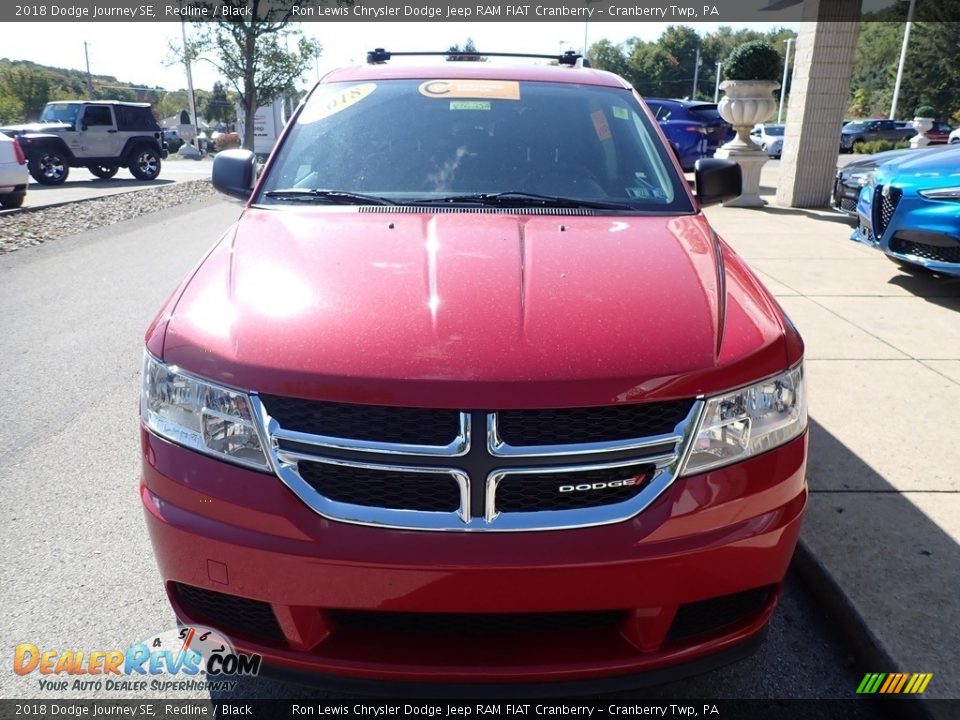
<point>866,709</point>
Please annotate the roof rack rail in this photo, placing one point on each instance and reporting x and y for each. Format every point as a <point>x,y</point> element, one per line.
<point>379,55</point>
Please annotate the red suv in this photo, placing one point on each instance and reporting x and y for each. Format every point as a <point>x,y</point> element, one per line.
<point>471,392</point>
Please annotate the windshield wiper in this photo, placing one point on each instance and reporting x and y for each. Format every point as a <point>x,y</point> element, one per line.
<point>318,195</point>
<point>518,198</point>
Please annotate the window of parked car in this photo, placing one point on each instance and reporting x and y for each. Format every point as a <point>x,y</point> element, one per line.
<point>61,113</point>
<point>97,115</point>
<point>705,113</point>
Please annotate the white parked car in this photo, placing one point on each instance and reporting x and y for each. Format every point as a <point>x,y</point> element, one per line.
<point>954,137</point>
<point>13,173</point>
<point>769,138</point>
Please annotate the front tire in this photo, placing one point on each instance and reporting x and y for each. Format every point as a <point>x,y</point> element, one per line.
<point>12,200</point>
<point>104,172</point>
<point>49,167</point>
<point>145,164</point>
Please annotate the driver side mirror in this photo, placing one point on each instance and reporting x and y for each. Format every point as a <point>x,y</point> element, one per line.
<point>717,180</point>
<point>235,173</point>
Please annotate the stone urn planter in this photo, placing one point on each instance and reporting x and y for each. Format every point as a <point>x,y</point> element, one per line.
<point>751,72</point>
<point>746,103</point>
<point>923,126</point>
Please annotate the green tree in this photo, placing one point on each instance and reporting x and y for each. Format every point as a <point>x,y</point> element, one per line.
<point>29,86</point>
<point>468,47</point>
<point>262,55</point>
<point>607,56</point>
<point>11,110</point>
<point>218,107</point>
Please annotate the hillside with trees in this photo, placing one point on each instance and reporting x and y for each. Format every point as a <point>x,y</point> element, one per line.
<point>25,87</point>
<point>665,67</point>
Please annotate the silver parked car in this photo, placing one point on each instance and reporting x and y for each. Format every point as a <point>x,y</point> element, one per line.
<point>769,138</point>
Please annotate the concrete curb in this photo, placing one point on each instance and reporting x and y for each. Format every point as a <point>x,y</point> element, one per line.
<point>871,652</point>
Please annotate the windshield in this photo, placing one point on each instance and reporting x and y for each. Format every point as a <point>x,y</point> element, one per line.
<point>410,141</point>
<point>773,130</point>
<point>61,113</point>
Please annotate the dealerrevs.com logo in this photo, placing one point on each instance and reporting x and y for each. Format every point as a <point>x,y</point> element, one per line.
<point>186,658</point>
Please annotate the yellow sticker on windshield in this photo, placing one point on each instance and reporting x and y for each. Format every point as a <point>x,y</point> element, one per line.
<point>474,89</point>
<point>336,102</point>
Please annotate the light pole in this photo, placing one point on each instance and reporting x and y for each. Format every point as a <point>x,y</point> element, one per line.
<point>716,89</point>
<point>903,60</point>
<point>696,74</point>
<point>783,84</point>
<point>193,98</point>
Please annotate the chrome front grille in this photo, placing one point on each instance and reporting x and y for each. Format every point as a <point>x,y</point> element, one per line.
<point>427,469</point>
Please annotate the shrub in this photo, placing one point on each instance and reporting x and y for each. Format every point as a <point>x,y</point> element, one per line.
<point>875,146</point>
<point>757,60</point>
<point>226,141</point>
<point>924,111</point>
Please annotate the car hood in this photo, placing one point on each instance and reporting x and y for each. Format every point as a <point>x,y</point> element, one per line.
<point>473,310</point>
<point>14,130</point>
<point>930,167</point>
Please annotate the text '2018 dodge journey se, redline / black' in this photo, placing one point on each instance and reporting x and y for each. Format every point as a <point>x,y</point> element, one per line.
<point>471,392</point>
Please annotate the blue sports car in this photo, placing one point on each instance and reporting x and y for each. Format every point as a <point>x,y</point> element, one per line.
<point>910,209</point>
<point>694,128</point>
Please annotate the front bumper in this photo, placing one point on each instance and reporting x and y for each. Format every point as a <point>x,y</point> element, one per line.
<point>367,603</point>
<point>920,232</point>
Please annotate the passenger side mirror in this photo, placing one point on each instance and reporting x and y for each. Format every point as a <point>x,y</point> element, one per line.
<point>717,180</point>
<point>235,172</point>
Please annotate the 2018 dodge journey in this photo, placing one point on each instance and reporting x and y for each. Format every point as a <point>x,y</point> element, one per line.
<point>471,393</point>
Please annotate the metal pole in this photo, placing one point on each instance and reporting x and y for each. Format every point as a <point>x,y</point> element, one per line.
<point>586,29</point>
<point>716,89</point>
<point>86,56</point>
<point>903,60</point>
<point>783,84</point>
<point>193,98</point>
<point>696,74</point>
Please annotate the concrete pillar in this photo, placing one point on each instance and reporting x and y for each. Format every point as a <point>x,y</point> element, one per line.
<point>818,101</point>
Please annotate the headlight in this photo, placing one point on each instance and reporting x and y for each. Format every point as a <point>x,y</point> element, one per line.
<point>749,421</point>
<point>200,415</point>
<point>952,193</point>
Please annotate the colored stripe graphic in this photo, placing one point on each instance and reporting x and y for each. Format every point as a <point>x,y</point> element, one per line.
<point>894,683</point>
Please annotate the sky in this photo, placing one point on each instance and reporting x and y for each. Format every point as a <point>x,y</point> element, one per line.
<point>138,53</point>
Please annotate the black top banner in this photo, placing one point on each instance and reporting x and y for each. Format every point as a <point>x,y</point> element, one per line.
<point>627,11</point>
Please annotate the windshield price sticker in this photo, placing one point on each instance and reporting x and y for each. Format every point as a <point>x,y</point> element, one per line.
<point>474,89</point>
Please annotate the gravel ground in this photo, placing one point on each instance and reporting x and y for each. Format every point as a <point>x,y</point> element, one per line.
<point>33,227</point>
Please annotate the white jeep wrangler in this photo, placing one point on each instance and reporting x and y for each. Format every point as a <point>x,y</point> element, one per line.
<point>99,135</point>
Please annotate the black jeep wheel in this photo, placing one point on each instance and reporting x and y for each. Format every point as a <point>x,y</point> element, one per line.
<point>145,163</point>
<point>104,172</point>
<point>49,167</point>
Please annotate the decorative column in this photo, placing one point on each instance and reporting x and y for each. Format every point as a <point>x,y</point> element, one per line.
<point>818,101</point>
